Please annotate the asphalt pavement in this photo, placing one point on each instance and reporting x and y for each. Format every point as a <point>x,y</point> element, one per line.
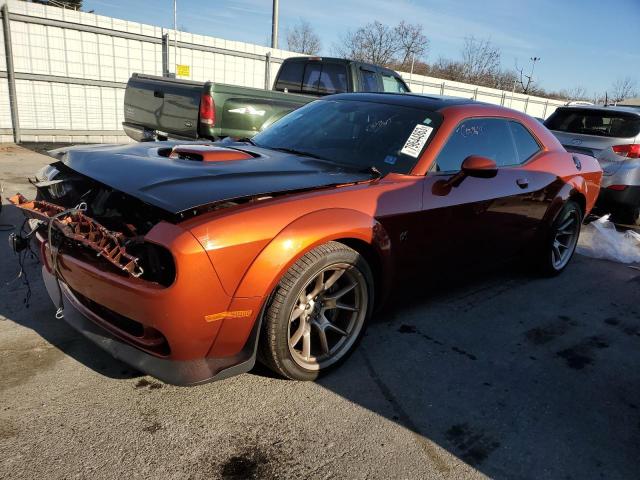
<point>504,374</point>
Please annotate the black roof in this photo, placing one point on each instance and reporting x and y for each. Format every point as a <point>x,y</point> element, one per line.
<point>602,108</point>
<point>425,102</point>
<point>344,61</point>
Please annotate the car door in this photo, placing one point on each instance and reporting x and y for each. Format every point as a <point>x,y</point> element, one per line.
<point>484,219</point>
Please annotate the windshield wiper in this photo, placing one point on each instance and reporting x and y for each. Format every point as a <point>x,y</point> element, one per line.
<point>247,140</point>
<point>297,152</point>
<point>375,173</point>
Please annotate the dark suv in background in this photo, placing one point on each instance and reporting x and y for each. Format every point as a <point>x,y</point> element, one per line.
<point>612,136</point>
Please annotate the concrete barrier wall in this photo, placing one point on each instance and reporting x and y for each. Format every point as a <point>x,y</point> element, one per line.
<point>71,69</point>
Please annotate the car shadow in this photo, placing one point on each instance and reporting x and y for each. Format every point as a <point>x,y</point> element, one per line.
<point>24,301</point>
<point>516,375</point>
<point>519,376</point>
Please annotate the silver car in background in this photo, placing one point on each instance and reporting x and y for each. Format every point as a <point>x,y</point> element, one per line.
<point>612,136</point>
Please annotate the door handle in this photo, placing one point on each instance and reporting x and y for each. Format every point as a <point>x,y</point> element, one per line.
<point>522,182</point>
<point>158,94</point>
<point>577,163</point>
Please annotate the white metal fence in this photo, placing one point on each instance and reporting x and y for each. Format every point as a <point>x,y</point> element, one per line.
<point>70,69</point>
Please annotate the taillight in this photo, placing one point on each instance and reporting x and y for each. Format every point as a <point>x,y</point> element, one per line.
<point>629,151</point>
<point>617,188</point>
<point>207,110</point>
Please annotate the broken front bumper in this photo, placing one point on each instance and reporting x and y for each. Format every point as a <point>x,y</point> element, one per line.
<point>182,333</point>
<point>175,372</point>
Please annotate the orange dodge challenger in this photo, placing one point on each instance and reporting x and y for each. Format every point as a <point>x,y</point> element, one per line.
<point>188,261</point>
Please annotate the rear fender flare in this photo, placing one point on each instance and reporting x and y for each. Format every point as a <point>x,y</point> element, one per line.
<point>306,233</point>
<point>576,186</point>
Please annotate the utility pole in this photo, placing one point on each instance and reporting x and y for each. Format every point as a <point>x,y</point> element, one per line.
<point>274,25</point>
<point>175,37</point>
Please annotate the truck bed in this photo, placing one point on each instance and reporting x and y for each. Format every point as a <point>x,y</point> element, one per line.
<point>161,108</point>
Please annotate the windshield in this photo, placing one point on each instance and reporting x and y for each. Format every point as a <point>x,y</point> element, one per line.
<point>357,134</point>
<point>595,122</point>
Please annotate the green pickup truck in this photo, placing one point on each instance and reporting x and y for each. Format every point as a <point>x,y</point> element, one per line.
<point>159,108</point>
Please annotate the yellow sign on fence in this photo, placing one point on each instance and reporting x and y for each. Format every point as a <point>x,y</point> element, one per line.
<point>184,71</point>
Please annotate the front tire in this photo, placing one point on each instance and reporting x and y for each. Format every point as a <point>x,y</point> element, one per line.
<point>560,243</point>
<point>318,313</point>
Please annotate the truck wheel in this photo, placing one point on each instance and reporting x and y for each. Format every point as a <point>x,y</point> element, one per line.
<point>318,313</point>
<point>560,243</point>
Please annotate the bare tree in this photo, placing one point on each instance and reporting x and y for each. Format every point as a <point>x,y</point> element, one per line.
<point>577,92</point>
<point>480,59</point>
<point>526,81</point>
<point>303,39</point>
<point>375,43</point>
<point>447,70</point>
<point>622,89</point>
<point>412,42</point>
<point>383,45</point>
<point>504,80</point>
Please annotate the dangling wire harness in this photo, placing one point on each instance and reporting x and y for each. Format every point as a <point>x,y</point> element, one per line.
<point>74,225</point>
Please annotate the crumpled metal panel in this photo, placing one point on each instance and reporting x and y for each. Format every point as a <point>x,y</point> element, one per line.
<point>78,227</point>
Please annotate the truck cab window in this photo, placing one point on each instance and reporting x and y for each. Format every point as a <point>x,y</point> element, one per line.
<point>290,77</point>
<point>333,79</point>
<point>392,84</point>
<point>369,81</point>
<point>311,80</point>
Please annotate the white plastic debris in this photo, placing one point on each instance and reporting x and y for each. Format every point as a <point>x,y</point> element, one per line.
<point>600,239</point>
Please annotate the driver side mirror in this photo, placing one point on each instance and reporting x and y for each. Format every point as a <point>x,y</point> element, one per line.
<point>479,167</point>
<point>472,166</point>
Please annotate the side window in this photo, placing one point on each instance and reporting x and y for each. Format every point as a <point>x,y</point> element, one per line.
<point>369,81</point>
<point>290,76</point>
<point>333,79</point>
<point>488,137</point>
<point>526,145</point>
<point>392,84</point>
<point>311,78</point>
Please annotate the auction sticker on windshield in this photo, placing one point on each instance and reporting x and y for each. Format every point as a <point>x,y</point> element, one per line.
<point>417,139</point>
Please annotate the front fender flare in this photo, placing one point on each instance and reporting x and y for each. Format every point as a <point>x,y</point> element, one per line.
<point>306,233</point>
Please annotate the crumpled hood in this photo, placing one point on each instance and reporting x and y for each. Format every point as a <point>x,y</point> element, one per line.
<point>176,185</point>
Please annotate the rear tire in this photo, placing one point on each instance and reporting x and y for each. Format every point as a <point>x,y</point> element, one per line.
<point>626,215</point>
<point>318,314</point>
<point>560,243</point>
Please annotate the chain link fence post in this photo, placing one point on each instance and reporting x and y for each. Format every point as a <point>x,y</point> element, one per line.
<point>165,55</point>
<point>11,75</point>
<point>267,71</point>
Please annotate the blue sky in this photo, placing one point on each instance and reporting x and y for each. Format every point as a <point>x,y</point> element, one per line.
<point>581,42</point>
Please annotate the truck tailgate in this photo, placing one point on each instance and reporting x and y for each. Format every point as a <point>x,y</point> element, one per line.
<point>163,104</point>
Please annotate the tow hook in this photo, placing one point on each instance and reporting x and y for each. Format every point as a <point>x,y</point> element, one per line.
<point>18,243</point>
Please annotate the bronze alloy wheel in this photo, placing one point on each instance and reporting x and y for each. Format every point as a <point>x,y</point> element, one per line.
<point>328,316</point>
<point>318,312</point>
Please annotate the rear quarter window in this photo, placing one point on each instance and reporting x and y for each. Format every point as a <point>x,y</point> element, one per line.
<point>595,122</point>
<point>526,145</point>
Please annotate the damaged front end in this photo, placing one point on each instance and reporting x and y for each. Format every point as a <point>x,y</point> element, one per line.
<point>106,227</point>
<point>76,227</point>
<point>110,266</point>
